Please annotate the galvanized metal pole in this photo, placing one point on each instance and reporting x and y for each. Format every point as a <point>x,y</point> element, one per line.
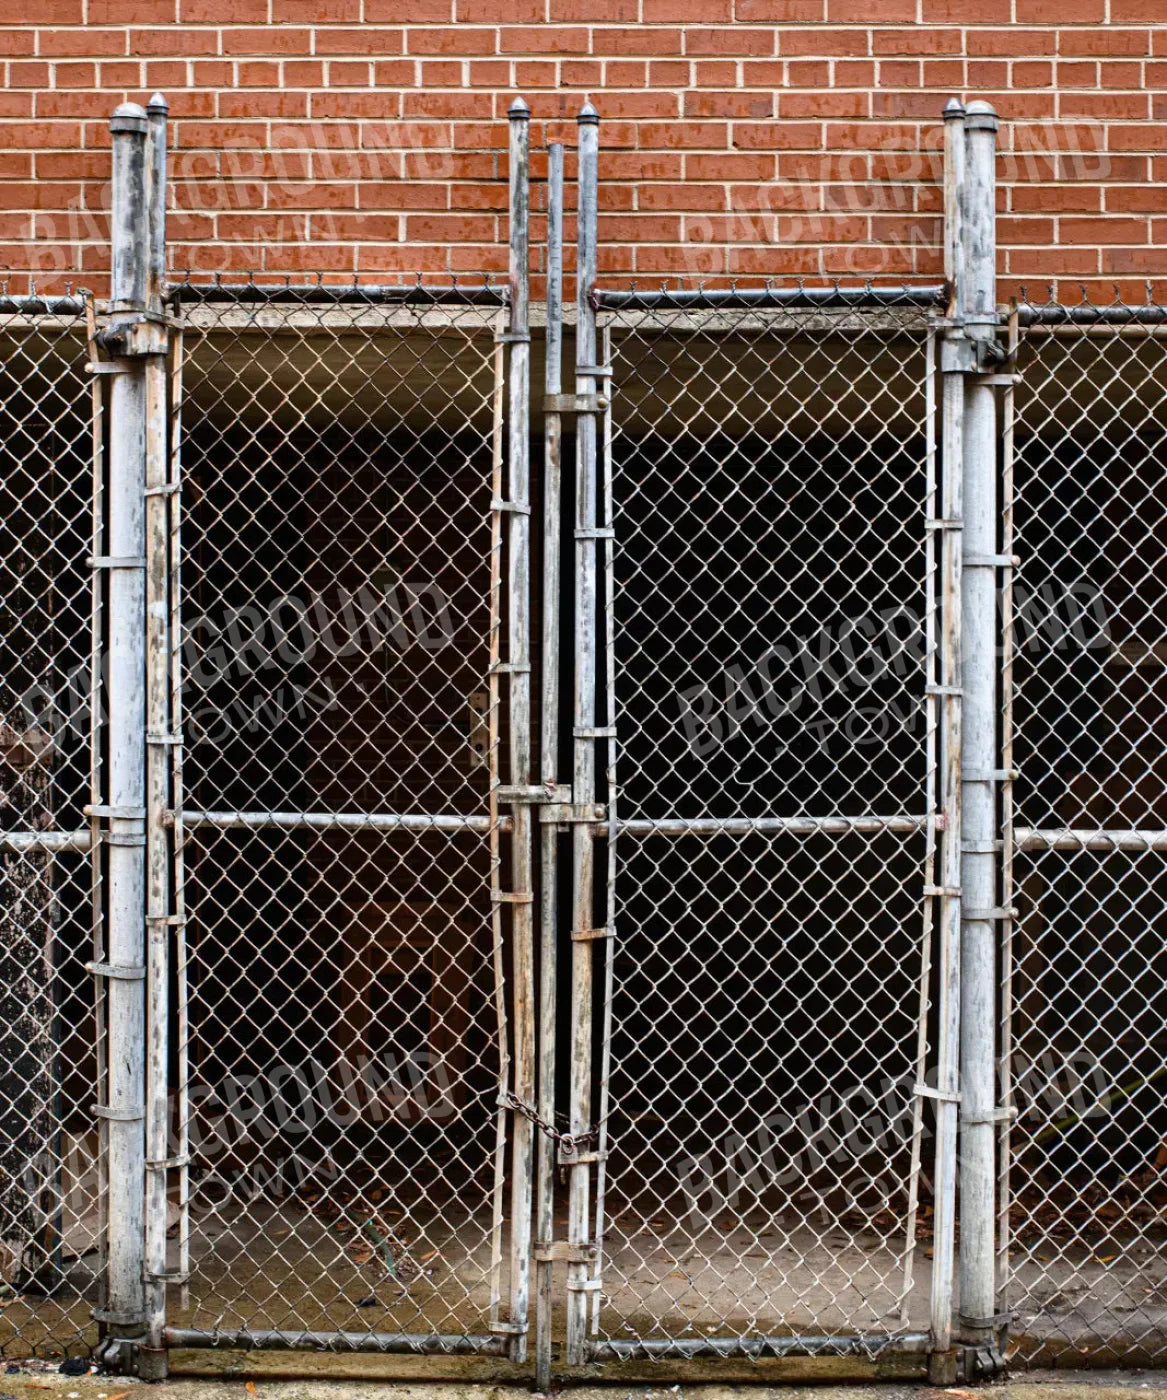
<point>518,514</point>
<point>549,766</point>
<point>124,809</point>
<point>948,693</point>
<point>980,761</point>
<point>152,1357</point>
<point>584,748</point>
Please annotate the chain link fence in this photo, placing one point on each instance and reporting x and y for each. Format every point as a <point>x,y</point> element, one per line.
<point>50,644</point>
<point>772,631</point>
<point>344,1023</point>
<point>1086,997</point>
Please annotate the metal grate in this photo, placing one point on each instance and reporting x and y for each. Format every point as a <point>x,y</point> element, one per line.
<point>50,522</point>
<point>340,634</point>
<point>772,635</point>
<point>1085,1272</point>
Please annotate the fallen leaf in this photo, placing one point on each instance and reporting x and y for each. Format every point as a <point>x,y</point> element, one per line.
<point>250,1388</point>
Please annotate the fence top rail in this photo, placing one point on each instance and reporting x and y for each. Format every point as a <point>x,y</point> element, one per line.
<point>253,293</point>
<point>1085,314</point>
<point>33,305</point>
<point>752,298</point>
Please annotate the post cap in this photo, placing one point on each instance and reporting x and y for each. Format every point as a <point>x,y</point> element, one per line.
<point>954,107</point>
<point>980,116</point>
<point>128,117</point>
<point>157,106</point>
<point>519,111</point>
<point>587,113</point>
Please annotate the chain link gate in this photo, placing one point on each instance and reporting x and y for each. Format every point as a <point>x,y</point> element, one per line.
<point>351,565</point>
<point>371,1072</point>
<point>1082,1201</point>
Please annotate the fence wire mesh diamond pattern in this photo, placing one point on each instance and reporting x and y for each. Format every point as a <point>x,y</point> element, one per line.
<point>50,1233</point>
<point>1089,1190</point>
<point>770,487</point>
<point>339,581</point>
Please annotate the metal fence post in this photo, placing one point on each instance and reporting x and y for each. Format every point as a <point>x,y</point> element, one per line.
<point>152,1358</point>
<point>124,809</point>
<point>549,766</point>
<point>584,747</point>
<point>949,528</point>
<point>519,739</point>
<point>980,761</point>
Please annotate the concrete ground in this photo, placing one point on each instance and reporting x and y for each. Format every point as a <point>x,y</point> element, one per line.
<point>46,1384</point>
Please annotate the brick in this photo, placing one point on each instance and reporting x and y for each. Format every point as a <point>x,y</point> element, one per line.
<point>710,198</point>
<point>83,43</point>
<point>872,11</point>
<point>714,73</point>
<point>1032,74</point>
<point>1011,43</point>
<point>131,11</point>
<point>1060,11</point>
<point>686,11</point>
<point>752,106</point>
<point>1137,138</point>
<point>1150,261</point>
<point>220,11</point>
<point>263,104</point>
<point>773,262</point>
<point>498,11</point>
<point>735,166</point>
<point>36,75</point>
<point>1101,231</point>
<point>462,106</point>
<point>774,197</point>
<point>724,42</point>
<point>654,43</point>
<point>1150,198</point>
<point>354,228</point>
<point>1107,43</point>
<point>819,42</point>
<point>365,41</point>
<point>450,228</point>
<point>1104,106</point>
<point>657,165</point>
<point>1078,199</point>
<point>543,41</point>
<point>633,72</point>
<point>1124,11</point>
<point>773,136</point>
<point>792,105</point>
<point>670,135</point>
<point>593,11</point>
<point>915,41</point>
<point>779,11</point>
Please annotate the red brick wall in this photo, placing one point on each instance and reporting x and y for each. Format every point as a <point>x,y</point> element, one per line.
<point>740,137</point>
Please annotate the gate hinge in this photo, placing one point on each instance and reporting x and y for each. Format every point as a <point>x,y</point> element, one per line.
<point>574,403</point>
<point>535,793</point>
<point>585,1285</point>
<point>574,1157</point>
<point>562,1252</point>
<point>143,334</point>
<point>119,971</point>
<point>995,1115</point>
<point>588,935</point>
<point>573,813</point>
<point>959,354</point>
